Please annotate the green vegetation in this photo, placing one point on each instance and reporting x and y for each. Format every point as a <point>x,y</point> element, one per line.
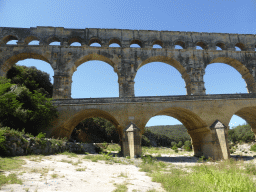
<point>80,169</point>
<point>224,176</point>
<point>8,164</point>
<point>253,148</point>
<point>120,187</point>
<point>22,109</point>
<point>241,133</point>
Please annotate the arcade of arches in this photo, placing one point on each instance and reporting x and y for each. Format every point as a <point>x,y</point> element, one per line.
<point>205,116</point>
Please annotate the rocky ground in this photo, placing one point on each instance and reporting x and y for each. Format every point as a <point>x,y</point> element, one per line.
<point>63,173</point>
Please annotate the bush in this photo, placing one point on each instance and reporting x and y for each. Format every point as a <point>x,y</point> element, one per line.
<point>173,143</point>
<point>21,109</point>
<point>187,145</point>
<point>2,141</point>
<point>179,145</point>
<point>174,148</point>
<point>253,148</point>
<point>40,135</point>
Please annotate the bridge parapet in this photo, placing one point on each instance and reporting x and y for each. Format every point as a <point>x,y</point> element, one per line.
<point>125,37</point>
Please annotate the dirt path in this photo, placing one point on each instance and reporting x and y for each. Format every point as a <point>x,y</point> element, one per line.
<point>75,174</point>
<point>96,176</point>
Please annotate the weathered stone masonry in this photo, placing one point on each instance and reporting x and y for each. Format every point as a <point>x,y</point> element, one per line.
<point>199,117</point>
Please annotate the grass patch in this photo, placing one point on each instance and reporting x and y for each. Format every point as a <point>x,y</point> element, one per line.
<point>224,176</point>
<point>7,164</point>
<point>66,161</point>
<point>10,179</point>
<point>120,187</point>
<point>113,147</point>
<point>123,175</point>
<point>96,158</point>
<point>78,162</point>
<point>69,154</point>
<point>54,175</point>
<point>10,163</point>
<point>43,171</point>
<point>80,169</point>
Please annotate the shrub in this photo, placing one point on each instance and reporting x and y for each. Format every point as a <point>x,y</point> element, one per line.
<point>21,108</point>
<point>174,148</point>
<point>253,148</point>
<point>2,141</point>
<point>179,145</point>
<point>41,135</point>
<point>173,143</point>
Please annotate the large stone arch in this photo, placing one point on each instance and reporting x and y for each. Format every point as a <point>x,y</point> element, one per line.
<point>170,61</point>
<point>249,115</point>
<point>241,68</point>
<point>94,56</point>
<point>68,124</point>
<point>196,127</point>
<point>8,63</point>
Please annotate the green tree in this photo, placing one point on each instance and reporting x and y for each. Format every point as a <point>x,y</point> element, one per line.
<point>31,78</point>
<point>20,108</point>
<point>99,130</point>
<point>241,133</point>
<point>179,145</point>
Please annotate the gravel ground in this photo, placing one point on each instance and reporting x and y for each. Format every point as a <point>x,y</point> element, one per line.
<point>50,174</point>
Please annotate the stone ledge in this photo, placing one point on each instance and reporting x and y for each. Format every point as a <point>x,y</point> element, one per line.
<point>16,146</point>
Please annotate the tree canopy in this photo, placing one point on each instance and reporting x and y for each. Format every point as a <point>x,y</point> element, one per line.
<point>25,100</point>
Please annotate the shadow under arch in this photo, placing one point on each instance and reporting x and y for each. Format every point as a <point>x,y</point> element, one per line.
<point>249,115</point>
<point>67,127</point>
<point>172,62</point>
<point>7,64</point>
<point>192,122</point>
<point>242,69</point>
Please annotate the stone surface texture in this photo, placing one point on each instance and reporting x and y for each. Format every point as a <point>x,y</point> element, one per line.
<point>196,110</point>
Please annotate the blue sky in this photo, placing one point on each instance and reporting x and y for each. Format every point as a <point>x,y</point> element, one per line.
<point>98,79</point>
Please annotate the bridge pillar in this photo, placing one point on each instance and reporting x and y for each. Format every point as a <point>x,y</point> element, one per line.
<point>62,86</point>
<point>212,143</point>
<point>197,82</point>
<point>132,141</point>
<point>221,139</point>
<point>126,88</point>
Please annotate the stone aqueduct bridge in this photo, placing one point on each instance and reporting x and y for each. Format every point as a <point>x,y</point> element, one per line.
<point>205,116</point>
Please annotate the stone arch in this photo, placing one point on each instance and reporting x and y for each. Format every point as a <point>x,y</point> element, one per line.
<point>114,40</point>
<point>221,45</point>
<point>95,40</point>
<point>94,56</point>
<point>241,46</point>
<point>8,38</point>
<point>74,39</point>
<point>7,64</point>
<point>196,127</point>
<point>52,39</point>
<point>30,38</point>
<point>242,69</point>
<point>68,125</point>
<point>137,41</point>
<point>170,61</point>
<point>157,42</point>
<point>180,43</point>
<point>202,44</point>
<point>249,115</point>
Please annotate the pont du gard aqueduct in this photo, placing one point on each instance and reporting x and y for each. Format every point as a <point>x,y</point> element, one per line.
<point>206,117</point>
